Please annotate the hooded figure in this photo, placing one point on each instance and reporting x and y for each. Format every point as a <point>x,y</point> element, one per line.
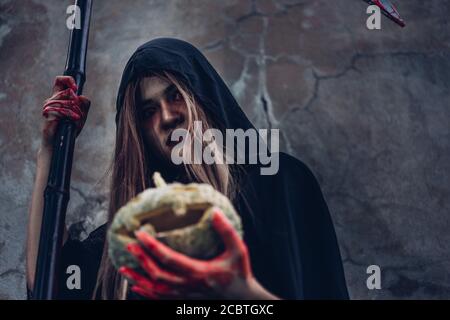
<point>287,227</point>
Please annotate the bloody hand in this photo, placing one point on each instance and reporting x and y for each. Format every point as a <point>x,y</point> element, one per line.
<point>64,103</point>
<point>170,274</point>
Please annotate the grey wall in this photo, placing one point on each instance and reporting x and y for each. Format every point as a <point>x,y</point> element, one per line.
<point>368,111</point>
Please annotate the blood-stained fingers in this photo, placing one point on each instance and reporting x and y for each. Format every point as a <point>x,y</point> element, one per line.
<point>64,82</point>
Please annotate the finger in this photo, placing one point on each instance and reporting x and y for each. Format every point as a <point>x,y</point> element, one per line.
<point>229,235</point>
<point>154,295</point>
<point>70,104</point>
<point>64,82</point>
<point>84,101</point>
<point>63,106</point>
<point>151,267</point>
<point>81,104</point>
<point>168,256</point>
<point>60,113</point>
<point>66,104</point>
<point>132,275</point>
<point>145,293</point>
<point>147,284</point>
<point>85,104</point>
<point>66,94</point>
<point>138,279</point>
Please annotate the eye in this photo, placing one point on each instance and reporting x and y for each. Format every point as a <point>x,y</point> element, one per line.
<point>148,112</point>
<point>175,96</point>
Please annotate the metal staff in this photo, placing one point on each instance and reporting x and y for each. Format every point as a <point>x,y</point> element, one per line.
<point>57,192</point>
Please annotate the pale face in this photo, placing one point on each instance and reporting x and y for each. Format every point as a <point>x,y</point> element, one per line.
<point>163,110</point>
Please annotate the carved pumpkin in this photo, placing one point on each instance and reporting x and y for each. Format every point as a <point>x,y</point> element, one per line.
<point>176,214</point>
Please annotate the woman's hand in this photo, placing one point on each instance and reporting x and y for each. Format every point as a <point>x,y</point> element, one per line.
<point>63,104</point>
<point>172,275</point>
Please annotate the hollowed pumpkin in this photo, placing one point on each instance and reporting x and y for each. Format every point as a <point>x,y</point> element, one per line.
<point>176,214</point>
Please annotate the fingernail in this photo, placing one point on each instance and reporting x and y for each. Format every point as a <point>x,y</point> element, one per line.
<point>131,247</point>
<point>145,237</point>
<point>124,271</point>
<point>141,234</point>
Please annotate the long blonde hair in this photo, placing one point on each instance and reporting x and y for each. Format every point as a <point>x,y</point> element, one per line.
<point>132,167</point>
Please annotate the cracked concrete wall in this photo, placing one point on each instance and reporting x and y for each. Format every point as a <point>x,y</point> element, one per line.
<point>366,110</point>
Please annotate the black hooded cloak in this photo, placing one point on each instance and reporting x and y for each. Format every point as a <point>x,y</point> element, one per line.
<point>287,226</point>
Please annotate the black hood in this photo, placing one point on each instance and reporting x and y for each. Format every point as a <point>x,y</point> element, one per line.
<point>190,65</point>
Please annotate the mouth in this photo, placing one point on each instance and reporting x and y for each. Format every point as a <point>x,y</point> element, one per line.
<point>164,220</point>
<point>169,142</point>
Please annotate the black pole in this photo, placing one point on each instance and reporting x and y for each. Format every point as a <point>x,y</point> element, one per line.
<point>57,192</point>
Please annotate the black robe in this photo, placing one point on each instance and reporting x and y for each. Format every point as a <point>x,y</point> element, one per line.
<point>287,226</point>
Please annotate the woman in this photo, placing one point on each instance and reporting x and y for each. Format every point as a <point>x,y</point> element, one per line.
<point>289,249</point>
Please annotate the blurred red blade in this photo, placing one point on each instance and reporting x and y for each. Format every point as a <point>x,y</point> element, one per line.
<point>389,11</point>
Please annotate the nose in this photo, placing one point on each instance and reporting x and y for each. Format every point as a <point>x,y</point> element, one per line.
<point>169,117</point>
